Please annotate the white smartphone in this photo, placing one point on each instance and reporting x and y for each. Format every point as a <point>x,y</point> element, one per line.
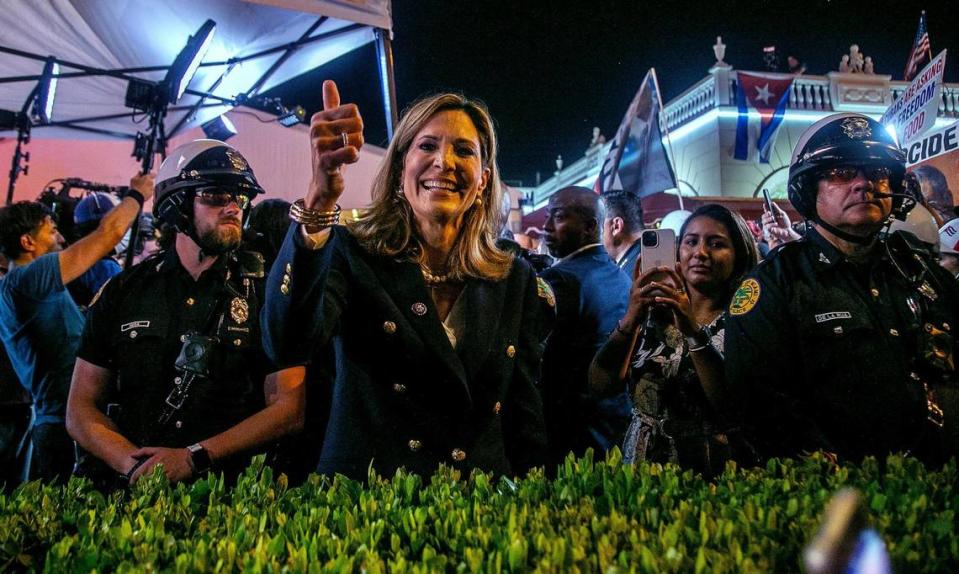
<point>657,249</point>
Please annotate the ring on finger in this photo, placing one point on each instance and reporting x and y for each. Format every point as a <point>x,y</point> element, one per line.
<point>345,138</point>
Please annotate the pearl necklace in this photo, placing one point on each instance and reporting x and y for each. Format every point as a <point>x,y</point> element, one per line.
<point>432,279</point>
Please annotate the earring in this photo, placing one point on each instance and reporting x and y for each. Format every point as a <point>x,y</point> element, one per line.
<point>479,201</point>
<point>399,191</point>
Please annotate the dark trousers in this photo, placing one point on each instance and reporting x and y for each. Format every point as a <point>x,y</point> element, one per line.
<point>53,453</point>
<point>14,422</point>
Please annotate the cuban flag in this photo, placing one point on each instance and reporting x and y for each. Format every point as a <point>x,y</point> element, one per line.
<point>768,94</point>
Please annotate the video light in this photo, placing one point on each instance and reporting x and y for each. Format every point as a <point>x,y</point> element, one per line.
<point>184,67</point>
<point>292,117</point>
<point>47,91</point>
<point>219,128</point>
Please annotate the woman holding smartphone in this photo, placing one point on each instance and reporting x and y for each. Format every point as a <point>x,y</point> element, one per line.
<point>669,347</point>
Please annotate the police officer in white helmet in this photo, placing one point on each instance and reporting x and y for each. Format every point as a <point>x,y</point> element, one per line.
<point>174,341</point>
<point>843,341</point>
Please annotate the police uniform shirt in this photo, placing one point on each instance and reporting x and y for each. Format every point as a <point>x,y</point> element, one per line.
<point>135,328</point>
<point>828,353</point>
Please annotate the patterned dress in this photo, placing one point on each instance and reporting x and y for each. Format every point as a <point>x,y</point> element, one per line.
<point>672,419</point>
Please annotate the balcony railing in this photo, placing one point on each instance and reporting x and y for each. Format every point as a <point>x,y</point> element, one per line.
<point>810,93</point>
<point>831,93</point>
<point>692,103</point>
<point>813,93</point>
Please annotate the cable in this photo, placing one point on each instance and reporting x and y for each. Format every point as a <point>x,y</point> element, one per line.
<point>47,184</point>
<point>133,117</point>
<point>261,120</point>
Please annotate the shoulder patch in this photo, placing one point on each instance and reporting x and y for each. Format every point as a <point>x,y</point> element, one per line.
<point>745,298</point>
<point>545,291</point>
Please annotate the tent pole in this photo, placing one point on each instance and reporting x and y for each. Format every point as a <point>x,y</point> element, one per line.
<point>384,58</point>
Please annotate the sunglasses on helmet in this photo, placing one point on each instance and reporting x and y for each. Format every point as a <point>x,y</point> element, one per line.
<point>847,173</point>
<point>221,197</point>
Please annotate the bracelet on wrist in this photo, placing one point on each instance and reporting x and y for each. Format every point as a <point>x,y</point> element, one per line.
<point>312,217</point>
<point>136,196</point>
<point>697,342</point>
<point>139,462</point>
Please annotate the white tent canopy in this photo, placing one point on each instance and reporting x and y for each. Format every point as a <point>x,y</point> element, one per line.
<point>134,34</point>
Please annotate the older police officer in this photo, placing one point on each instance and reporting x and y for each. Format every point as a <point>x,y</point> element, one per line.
<point>843,341</point>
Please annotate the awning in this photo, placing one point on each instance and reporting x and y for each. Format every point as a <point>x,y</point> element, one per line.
<point>295,35</point>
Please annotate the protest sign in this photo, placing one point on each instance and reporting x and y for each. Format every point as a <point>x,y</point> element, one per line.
<point>915,111</point>
<point>934,158</point>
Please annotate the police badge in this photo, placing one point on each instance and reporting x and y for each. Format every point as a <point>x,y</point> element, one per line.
<point>856,128</point>
<point>239,310</point>
<point>237,160</point>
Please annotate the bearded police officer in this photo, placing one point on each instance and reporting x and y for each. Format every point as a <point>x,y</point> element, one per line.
<point>173,344</point>
<point>844,341</point>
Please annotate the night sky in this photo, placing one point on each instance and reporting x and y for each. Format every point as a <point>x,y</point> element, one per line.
<point>549,72</point>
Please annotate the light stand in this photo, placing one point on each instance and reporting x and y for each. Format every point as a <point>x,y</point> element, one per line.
<point>21,159</point>
<point>155,99</point>
<point>40,104</point>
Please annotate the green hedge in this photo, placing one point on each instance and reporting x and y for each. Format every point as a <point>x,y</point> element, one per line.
<point>593,517</point>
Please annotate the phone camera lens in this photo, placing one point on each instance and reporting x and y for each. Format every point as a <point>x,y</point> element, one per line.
<point>650,239</point>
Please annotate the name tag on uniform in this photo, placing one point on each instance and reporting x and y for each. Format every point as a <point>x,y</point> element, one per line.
<point>134,325</point>
<point>823,317</point>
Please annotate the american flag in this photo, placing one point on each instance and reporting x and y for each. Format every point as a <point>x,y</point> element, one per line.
<point>921,53</point>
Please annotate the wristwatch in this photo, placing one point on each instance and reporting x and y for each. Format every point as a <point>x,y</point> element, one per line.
<point>201,459</point>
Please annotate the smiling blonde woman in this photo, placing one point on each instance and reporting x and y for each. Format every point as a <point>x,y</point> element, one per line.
<point>437,331</point>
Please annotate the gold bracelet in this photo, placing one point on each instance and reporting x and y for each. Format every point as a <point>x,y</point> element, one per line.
<point>312,217</point>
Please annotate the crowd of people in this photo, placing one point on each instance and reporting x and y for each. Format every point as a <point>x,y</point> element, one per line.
<point>418,335</point>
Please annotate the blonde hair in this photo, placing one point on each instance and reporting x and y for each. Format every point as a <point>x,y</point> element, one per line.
<point>388,227</point>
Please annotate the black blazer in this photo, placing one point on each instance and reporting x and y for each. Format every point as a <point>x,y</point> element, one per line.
<point>403,397</point>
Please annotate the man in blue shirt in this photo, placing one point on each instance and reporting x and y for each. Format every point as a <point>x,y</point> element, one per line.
<point>86,217</point>
<point>591,296</point>
<point>40,325</point>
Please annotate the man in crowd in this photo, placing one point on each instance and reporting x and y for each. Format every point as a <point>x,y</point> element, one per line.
<point>591,295</point>
<point>39,323</point>
<point>843,341</point>
<point>622,228</point>
<point>172,346</point>
<point>15,417</point>
<point>86,217</point>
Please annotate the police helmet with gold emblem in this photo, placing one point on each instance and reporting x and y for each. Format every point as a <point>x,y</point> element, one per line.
<point>196,165</point>
<point>846,139</point>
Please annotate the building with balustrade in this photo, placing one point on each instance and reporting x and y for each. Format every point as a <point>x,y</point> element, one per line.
<point>701,127</point>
